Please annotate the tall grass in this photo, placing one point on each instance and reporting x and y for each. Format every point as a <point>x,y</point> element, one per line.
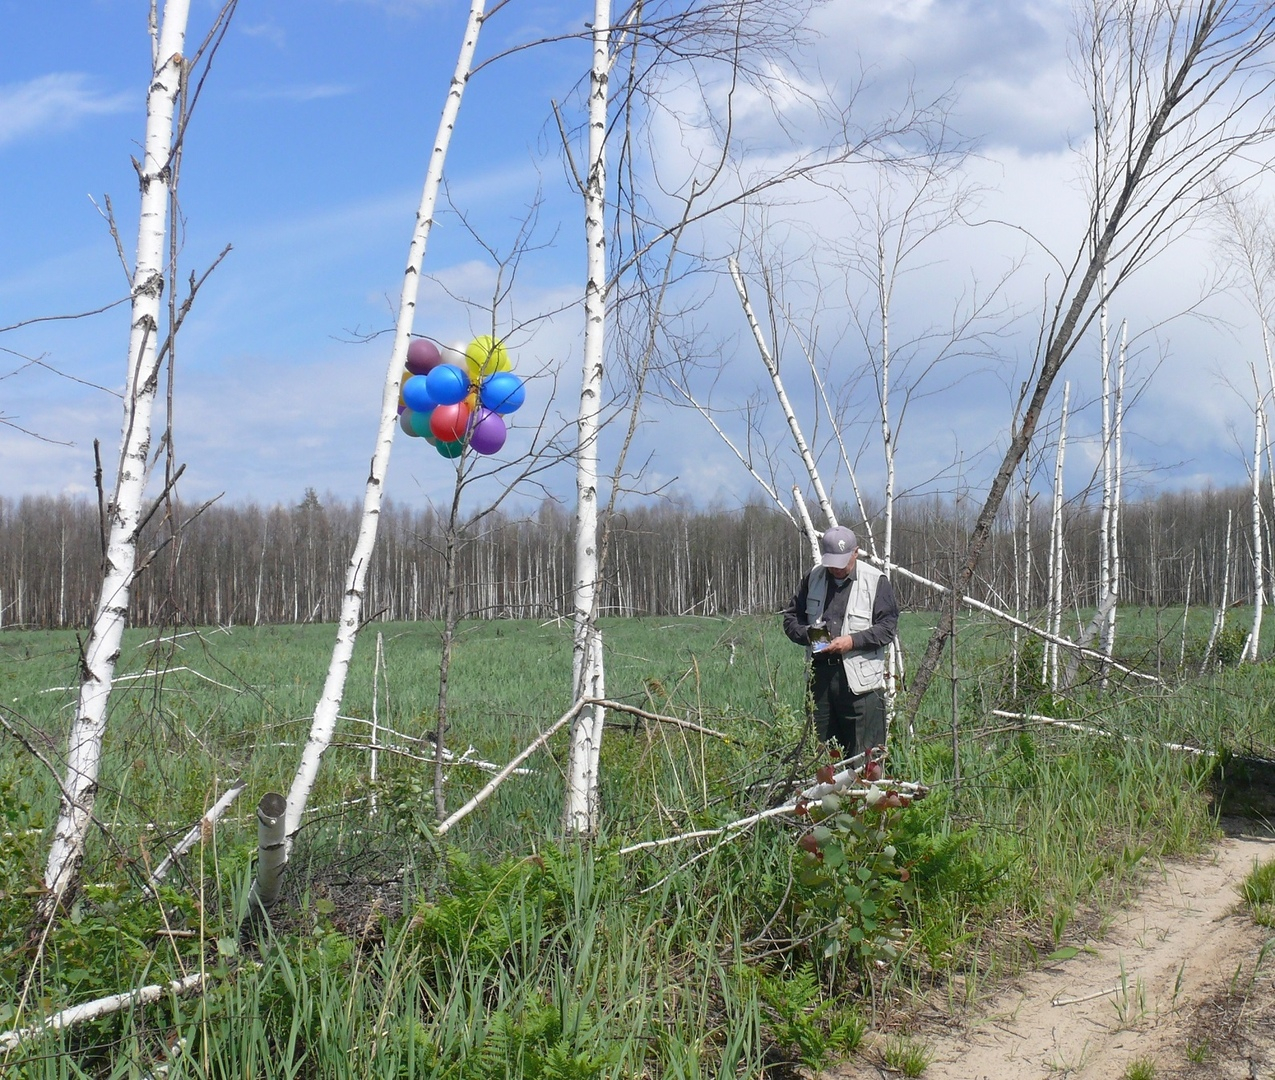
<point>502,953</point>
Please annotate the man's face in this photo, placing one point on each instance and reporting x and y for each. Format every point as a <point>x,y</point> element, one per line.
<point>847,570</point>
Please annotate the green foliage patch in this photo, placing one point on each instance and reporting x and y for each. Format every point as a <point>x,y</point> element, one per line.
<point>502,952</point>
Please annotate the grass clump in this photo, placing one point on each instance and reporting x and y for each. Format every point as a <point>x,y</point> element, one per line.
<point>1258,892</point>
<point>1143,1068</point>
<point>906,1055</point>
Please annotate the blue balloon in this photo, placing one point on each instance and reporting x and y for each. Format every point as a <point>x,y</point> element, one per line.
<point>416,394</point>
<point>502,392</point>
<point>447,384</point>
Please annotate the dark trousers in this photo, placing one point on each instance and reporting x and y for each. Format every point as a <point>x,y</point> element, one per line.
<point>855,721</point>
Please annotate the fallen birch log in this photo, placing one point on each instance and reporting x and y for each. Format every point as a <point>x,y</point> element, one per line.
<point>848,781</point>
<point>1055,639</point>
<point>188,841</point>
<point>93,1010</point>
<point>1087,729</point>
<point>675,721</point>
<point>446,825</point>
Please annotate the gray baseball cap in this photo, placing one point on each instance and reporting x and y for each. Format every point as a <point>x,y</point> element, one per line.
<point>838,546</point>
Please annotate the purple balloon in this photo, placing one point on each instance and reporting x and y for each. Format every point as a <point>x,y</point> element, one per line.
<point>447,384</point>
<point>502,392</point>
<point>416,394</point>
<point>422,356</point>
<point>488,432</point>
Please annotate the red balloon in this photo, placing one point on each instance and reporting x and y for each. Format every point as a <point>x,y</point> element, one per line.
<point>450,422</point>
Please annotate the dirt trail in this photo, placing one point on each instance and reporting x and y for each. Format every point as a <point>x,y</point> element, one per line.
<point>1172,982</point>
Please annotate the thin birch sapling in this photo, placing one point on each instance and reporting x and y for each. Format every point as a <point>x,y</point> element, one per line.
<point>325,714</point>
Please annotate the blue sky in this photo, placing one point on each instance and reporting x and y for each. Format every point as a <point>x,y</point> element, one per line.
<point>307,152</point>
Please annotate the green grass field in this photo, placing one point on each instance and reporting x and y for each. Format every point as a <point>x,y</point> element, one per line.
<point>503,953</point>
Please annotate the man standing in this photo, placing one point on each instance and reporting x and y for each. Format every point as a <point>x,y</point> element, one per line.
<point>845,613</point>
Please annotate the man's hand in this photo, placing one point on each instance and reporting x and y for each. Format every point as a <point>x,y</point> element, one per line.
<point>841,645</point>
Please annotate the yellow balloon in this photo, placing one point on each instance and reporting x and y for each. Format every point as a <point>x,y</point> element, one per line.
<point>486,355</point>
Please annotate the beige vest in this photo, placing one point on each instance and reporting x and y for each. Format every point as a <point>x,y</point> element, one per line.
<point>865,668</point>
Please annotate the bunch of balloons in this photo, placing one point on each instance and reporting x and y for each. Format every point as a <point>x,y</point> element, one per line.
<point>466,400</point>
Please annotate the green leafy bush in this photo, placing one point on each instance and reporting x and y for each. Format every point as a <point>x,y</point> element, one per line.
<point>855,887</point>
<point>1229,646</point>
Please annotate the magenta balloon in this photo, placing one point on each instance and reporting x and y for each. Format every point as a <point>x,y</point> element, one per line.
<point>447,384</point>
<point>502,392</point>
<point>416,394</point>
<point>422,356</point>
<point>488,433</point>
<point>405,422</point>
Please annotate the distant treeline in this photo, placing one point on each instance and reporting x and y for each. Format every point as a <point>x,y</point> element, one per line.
<point>287,564</point>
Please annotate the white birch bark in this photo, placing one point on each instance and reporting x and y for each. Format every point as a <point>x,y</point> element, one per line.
<point>1113,540</point>
<point>272,853</point>
<point>580,806</point>
<point>1104,525</point>
<point>1219,613</point>
<point>202,827</point>
<point>1259,585</point>
<point>894,652</point>
<point>325,714</point>
<point>84,753</point>
<point>94,1010</point>
<point>847,459</point>
<point>1186,611</point>
<point>807,526</point>
<point>825,504</point>
<point>1054,616</point>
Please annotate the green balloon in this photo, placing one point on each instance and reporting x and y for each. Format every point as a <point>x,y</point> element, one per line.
<point>449,449</point>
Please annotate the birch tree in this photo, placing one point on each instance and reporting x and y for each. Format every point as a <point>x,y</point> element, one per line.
<point>323,724</point>
<point>125,511</point>
<point>1188,87</point>
<point>1248,248</point>
<point>580,810</point>
<point>733,34</point>
<point>1251,650</point>
<point>1057,560</point>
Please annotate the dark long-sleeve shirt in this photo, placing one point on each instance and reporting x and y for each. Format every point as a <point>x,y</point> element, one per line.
<point>885,613</point>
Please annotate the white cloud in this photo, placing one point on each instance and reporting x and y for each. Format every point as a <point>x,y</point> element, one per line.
<point>1007,63</point>
<point>299,93</point>
<point>54,102</point>
<point>265,31</point>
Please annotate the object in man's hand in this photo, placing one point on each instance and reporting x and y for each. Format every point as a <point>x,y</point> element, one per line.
<point>818,637</point>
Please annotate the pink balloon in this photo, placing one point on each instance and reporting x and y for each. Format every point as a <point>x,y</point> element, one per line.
<point>488,433</point>
<point>422,356</point>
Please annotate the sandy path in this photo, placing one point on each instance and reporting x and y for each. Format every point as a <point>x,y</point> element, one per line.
<point>1160,985</point>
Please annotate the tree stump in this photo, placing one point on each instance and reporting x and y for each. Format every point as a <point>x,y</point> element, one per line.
<point>1244,786</point>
